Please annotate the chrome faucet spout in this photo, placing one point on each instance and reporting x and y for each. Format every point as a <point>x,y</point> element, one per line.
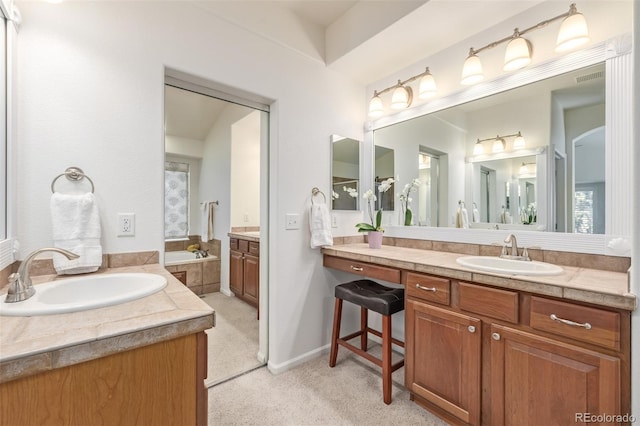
<point>20,285</point>
<point>511,239</point>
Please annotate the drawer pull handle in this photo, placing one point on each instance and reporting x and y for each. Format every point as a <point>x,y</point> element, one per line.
<point>586,325</point>
<point>357,268</point>
<point>433,289</point>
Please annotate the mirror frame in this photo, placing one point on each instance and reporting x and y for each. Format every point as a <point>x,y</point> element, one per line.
<point>616,53</point>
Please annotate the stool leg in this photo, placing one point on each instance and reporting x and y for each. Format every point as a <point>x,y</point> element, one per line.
<point>386,358</point>
<point>364,324</point>
<point>337,316</point>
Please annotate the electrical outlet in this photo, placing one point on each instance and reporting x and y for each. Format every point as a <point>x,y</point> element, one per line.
<point>334,221</point>
<point>246,217</point>
<point>126,224</point>
<point>292,221</point>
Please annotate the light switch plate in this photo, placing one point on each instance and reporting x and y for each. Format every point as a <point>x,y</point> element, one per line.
<point>291,221</point>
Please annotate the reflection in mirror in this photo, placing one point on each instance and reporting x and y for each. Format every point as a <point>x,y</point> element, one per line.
<point>384,169</point>
<point>555,116</point>
<point>504,192</point>
<point>428,191</point>
<point>345,173</point>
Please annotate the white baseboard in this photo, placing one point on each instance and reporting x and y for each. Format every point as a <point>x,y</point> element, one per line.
<point>281,368</point>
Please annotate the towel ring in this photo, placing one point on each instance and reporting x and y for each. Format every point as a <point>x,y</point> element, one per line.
<point>315,191</point>
<point>73,174</point>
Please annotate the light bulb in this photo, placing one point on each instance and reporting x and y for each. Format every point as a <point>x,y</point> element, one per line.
<point>401,97</point>
<point>518,142</point>
<point>472,69</point>
<point>375,106</point>
<point>517,55</point>
<point>573,31</point>
<point>427,88</point>
<point>478,149</point>
<point>498,145</point>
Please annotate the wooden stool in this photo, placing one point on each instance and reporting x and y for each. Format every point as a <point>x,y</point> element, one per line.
<point>369,295</point>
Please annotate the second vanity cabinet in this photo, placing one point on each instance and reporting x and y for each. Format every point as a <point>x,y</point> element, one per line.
<point>493,356</point>
<point>477,354</point>
<point>244,270</point>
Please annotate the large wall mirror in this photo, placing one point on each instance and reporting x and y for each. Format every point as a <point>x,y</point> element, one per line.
<point>345,173</point>
<point>529,158</point>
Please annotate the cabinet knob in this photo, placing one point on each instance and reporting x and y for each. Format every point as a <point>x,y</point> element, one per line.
<point>472,329</point>
<point>495,336</point>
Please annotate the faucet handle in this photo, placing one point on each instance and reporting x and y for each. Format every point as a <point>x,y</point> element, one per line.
<point>504,250</point>
<point>525,254</point>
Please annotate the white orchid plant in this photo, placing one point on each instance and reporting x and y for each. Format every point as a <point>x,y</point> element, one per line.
<point>375,225</point>
<point>405,199</point>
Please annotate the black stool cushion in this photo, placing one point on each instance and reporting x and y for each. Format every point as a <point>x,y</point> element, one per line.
<point>371,295</point>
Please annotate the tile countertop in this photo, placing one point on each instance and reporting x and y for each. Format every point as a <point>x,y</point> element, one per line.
<point>595,286</point>
<point>246,235</point>
<point>31,345</point>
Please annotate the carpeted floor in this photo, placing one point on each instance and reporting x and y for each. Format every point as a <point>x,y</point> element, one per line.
<point>233,342</point>
<point>315,394</point>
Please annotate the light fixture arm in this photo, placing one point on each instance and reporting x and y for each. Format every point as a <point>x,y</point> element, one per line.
<point>572,10</point>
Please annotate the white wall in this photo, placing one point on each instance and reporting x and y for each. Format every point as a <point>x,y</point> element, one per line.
<point>91,83</point>
<point>245,171</point>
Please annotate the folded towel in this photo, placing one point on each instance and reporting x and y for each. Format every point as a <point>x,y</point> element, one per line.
<point>464,218</point>
<point>206,223</point>
<point>76,227</point>
<point>320,226</point>
<point>476,215</point>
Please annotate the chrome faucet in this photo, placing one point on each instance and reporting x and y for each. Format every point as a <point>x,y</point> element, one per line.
<point>20,286</point>
<point>511,239</point>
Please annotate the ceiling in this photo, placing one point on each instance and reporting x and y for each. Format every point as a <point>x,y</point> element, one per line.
<point>365,40</point>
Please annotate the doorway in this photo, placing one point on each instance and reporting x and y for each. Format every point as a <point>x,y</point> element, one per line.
<point>219,142</point>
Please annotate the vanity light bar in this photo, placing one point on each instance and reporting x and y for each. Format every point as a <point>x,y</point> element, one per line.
<point>499,144</point>
<point>402,94</point>
<point>573,33</point>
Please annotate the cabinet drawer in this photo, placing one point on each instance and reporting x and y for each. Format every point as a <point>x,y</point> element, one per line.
<point>428,288</point>
<point>243,246</point>
<point>492,302</point>
<point>364,269</point>
<point>233,243</point>
<point>254,248</point>
<point>591,325</point>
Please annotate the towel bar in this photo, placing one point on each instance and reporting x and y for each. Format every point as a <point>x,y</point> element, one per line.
<point>315,191</point>
<point>74,174</point>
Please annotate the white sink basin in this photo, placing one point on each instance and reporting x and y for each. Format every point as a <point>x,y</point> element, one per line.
<point>84,293</point>
<point>508,266</point>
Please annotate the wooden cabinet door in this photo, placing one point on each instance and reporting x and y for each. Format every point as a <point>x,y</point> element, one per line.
<point>236,272</point>
<point>540,381</point>
<point>442,359</point>
<point>251,278</point>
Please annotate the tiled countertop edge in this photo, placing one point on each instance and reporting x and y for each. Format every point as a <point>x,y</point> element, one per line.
<point>38,363</point>
<point>517,282</point>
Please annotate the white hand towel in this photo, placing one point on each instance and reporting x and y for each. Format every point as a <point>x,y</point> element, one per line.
<point>206,223</point>
<point>76,227</point>
<point>320,226</point>
<point>464,218</point>
<point>476,215</point>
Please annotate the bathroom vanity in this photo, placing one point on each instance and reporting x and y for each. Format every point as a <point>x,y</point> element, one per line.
<point>492,349</point>
<point>140,362</point>
<point>244,266</point>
